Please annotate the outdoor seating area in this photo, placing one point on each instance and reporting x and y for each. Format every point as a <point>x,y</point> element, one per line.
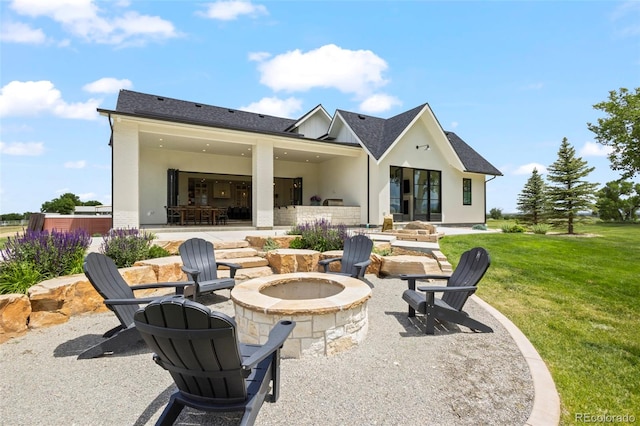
<point>383,362</point>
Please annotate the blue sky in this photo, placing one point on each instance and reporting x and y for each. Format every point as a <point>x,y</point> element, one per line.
<point>510,78</point>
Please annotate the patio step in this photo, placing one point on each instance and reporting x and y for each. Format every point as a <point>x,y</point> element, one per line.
<point>248,273</point>
<point>235,253</point>
<point>247,262</point>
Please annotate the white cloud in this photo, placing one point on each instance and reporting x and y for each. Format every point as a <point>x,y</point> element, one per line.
<point>454,125</point>
<point>22,148</point>
<point>83,18</point>
<point>80,164</point>
<point>87,196</point>
<point>527,169</point>
<point>330,66</point>
<point>107,85</point>
<point>379,103</point>
<point>30,98</point>
<point>231,10</point>
<point>275,106</point>
<point>625,17</point>
<point>259,56</point>
<point>17,32</point>
<point>593,149</point>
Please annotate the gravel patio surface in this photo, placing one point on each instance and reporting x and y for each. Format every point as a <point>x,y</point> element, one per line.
<point>397,376</point>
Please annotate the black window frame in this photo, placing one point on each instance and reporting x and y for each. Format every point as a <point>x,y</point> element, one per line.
<point>466,191</point>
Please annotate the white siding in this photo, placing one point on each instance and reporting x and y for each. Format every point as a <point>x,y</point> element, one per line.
<point>314,126</point>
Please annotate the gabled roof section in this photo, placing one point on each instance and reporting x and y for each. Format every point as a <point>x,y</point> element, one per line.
<point>152,106</point>
<point>319,109</point>
<point>378,134</point>
<point>472,161</point>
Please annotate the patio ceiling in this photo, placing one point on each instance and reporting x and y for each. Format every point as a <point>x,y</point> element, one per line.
<point>314,153</point>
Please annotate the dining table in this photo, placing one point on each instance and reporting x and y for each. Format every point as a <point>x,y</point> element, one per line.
<point>197,215</point>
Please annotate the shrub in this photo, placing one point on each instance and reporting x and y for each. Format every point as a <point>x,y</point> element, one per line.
<point>270,244</point>
<point>541,228</point>
<point>126,246</point>
<point>297,243</point>
<point>17,277</point>
<point>382,251</point>
<point>512,228</point>
<point>157,251</point>
<point>320,235</point>
<point>35,256</point>
<point>479,227</point>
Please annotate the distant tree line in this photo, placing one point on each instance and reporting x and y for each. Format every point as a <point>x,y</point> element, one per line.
<point>64,204</point>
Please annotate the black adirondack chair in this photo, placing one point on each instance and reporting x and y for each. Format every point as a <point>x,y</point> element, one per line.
<point>103,275</point>
<point>212,371</point>
<point>460,285</point>
<point>356,256</point>
<point>199,263</point>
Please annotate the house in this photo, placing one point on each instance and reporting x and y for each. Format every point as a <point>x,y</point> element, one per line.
<point>263,169</point>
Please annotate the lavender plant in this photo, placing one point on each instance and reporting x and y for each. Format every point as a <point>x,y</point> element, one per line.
<point>126,245</point>
<point>320,235</point>
<point>39,255</point>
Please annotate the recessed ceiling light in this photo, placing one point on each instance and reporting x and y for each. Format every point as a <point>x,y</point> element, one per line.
<point>307,161</point>
<point>204,150</point>
<point>242,153</point>
<point>285,153</point>
<point>317,156</point>
<point>160,139</point>
<point>248,149</point>
<point>207,144</point>
<point>277,158</point>
<point>160,146</point>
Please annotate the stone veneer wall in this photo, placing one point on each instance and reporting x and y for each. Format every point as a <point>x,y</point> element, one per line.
<point>313,335</point>
<point>337,215</point>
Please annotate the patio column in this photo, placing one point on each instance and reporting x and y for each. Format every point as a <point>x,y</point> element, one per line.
<point>125,169</point>
<point>262,184</point>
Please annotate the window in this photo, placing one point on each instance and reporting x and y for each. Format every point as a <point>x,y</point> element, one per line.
<point>395,196</point>
<point>466,192</point>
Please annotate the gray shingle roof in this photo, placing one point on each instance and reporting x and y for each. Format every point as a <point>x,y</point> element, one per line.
<point>473,162</point>
<point>377,134</point>
<point>161,107</point>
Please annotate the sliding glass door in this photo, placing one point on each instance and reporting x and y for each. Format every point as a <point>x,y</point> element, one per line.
<point>415,194</point>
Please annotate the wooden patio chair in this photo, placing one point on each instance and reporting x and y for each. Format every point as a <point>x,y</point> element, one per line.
<point>460,285</point>
<point>356,256</point>
<point>118,296</point>
<point>211,369</point>
<point>199,263</point>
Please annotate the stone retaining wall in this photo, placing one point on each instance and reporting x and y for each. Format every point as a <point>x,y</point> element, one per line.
<point>54,301</point>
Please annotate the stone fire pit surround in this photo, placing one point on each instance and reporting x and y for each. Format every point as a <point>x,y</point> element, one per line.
<point>328,321</point>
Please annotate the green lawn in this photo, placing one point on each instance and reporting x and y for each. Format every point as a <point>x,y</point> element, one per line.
<point>577,299</point>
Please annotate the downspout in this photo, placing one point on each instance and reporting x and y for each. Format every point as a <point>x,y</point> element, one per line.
<point>485,197</point>
<point>368,189</point>
<point>111,145</point>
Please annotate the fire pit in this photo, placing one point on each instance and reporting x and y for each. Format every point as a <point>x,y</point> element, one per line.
<point>330,311</point>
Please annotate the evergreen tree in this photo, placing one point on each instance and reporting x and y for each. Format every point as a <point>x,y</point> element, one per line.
<point>532,201</point>
<point>568,192</point>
